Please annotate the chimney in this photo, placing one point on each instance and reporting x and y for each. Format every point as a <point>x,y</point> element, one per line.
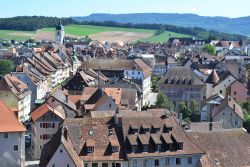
<point>116,118</point>
<point>67,98</point>
<point>65,133</point>
<point>210,126</point>
<point>234,107</point>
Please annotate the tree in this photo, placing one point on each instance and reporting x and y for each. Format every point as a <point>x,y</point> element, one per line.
<point>185,110</point>
<point>6,66</point>
<point>211,37</point>
<point>246,106</point>
<point>154,82</point>
<point>194,107</point>
<point>246,115</point>
<point>30,41</point>
<point>160,31</point>
<point>246,122</point>
<point>209,49</point>
<point>163,102</point>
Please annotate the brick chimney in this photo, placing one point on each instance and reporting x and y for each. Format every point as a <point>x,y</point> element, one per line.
<point>210,126</point>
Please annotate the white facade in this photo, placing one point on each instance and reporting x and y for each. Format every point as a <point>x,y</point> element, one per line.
<point>228,118</point>
<point>207,109</point>
<point>220,88</point>
<point>109,163</point>
<point>42,135</point>
<point>173,161</point>
<point>146,82</point>
<point>61,158</point>
<point>12,150</point>
<point>38,90</point>
<point>24,107</point>
<point>59,36</point>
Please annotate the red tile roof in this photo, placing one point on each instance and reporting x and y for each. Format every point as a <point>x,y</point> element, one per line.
<point>8,120</point>
<point>43,109</point>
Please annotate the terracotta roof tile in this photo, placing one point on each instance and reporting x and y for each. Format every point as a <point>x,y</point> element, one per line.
<point>115,93</point>
<point>43,109</point>
<point>224,148</point>
<point>8,120</point>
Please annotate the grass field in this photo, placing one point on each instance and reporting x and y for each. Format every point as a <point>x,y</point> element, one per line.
<point>163,37</point>
<point>17,35</point>
<point>83,30</point>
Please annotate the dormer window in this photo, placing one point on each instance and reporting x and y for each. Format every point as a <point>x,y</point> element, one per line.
<point>179,146</point>
<point>133,149</point>
<point>145,130</point>
<point>158,147</point>
<point>90,149</point>
<point>167,129</point>
<point>133,130</point>
<point>114,145</point>
<point>145,148</point>
<point>115,149</point>
<point>110,132</point>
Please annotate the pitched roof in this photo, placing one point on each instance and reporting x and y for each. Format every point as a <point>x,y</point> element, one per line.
<point>180,75</point>
<point>100,137</point>
<point>43,109</point>
<point>224,148</point>
<point>213,77</point>
<point>155,118</point>
<point>11,83</point>
<point>51,147</point>
<point>8,120</point>
<point>204,127</point>
<point>144,67</point>
<point>228,102</point>
<point>115,93</point>
<point>60,96</point>
<point>117,64</point>
<point>88,92</point>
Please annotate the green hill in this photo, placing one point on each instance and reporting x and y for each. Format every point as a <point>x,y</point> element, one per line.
<point>83,30</point>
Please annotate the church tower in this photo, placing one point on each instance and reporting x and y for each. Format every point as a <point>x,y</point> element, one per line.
<point>59,36</point>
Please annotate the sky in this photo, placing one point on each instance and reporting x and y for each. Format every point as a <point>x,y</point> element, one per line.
<point>66,8</point>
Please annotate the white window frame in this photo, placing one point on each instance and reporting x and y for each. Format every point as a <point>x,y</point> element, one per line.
<point>90,149</point>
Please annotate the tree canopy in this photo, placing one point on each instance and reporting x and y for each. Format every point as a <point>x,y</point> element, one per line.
<point>209,49</point>
<point>246,114</point>
<point>163,102</point>
<point>191,112</point>
<point>32,23</point>
<point>6,66</point>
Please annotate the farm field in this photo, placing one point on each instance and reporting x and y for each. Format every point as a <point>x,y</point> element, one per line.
<point>101,33</point>
<point>163,37</point>
<point>17,35</point>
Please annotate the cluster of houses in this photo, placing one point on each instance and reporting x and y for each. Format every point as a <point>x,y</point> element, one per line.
<point>88,104</point>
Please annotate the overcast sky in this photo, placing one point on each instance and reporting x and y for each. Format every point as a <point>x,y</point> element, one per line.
<point>66,8</point>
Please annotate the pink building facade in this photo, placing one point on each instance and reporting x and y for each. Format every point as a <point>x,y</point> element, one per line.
<point>238,92</point>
